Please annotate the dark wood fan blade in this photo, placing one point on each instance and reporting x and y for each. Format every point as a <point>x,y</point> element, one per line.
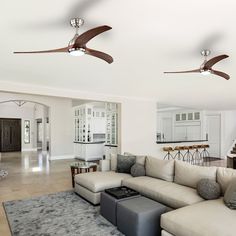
<point>180,72</point>
<point>88,35</point>
<point>100,55</point>
<point>214,60</point>
<point>221,74</point>
<point>46,51</point>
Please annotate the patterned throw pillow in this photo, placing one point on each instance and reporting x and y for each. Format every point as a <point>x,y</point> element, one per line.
<point>208,189</point>
<point>137,170</point>
<point>124,163</point>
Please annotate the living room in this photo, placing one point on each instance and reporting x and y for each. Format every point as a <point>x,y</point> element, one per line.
<point>153,53</point>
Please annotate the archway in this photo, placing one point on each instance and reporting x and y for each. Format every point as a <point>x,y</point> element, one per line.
<point>35,122</point>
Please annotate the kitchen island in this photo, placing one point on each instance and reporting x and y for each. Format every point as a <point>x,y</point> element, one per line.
<point>89,151</point>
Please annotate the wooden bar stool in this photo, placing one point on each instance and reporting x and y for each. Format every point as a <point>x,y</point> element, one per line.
<point>205,155</point>
<point>168,154</point>
<point>188,156</point>
<point>197,159</point>
<point>179,155</point>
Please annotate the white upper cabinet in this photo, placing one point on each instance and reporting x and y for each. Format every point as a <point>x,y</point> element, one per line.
<point>187,116</point>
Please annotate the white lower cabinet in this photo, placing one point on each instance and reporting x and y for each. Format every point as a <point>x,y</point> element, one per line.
<point>89,151</point>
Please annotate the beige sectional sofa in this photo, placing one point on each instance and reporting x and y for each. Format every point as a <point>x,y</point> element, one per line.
<point>172,183</point>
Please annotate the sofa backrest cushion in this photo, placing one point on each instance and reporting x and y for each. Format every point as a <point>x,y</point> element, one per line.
<point>113,158</point>
<point>230,195</point>
<point>224,177</point>
<point>189,175</point>
<point>140,159</point>
<point>160,169</point>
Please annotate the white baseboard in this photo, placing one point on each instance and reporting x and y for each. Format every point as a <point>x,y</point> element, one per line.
<point>29,150</point>
<point>63,157</point>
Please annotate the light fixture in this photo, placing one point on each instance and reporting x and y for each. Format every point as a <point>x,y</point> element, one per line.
<point>76,51</point>
<point>76,23</point>
<point>206,72</point>
<point>19,103</point>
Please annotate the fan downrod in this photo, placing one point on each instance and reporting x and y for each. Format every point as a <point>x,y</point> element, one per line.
<point>76,22</point>
<point>205,52</point>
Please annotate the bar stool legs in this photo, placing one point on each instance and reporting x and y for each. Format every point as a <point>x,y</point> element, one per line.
<point>188,156</point>
<point>197,158</point>
<point>205,155</point>
<point>179,155</point>
<point>168,155</point>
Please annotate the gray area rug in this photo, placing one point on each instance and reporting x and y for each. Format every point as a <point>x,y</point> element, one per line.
<point>61,214</point>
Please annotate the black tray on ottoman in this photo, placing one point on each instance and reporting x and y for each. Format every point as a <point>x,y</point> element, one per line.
<point>121,192</point>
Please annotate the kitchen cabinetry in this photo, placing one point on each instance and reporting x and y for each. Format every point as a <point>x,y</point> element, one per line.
<point>187,116</point>
<point>89,132</point>
<point>111,129</point>
<point>111,124</point>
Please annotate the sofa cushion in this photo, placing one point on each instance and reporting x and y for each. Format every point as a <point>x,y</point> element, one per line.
<point>137,170</point>
<point>208,189</point>
<point>161,169</point>
<point>140,159</point>
<point>224,177</point>
<point>189,175</point>
<point>167,193</point>
<point>99,181</point>
<point>207,218</point>
<point>124,163</point>
<point>113,161</point>
<point>230,195</point>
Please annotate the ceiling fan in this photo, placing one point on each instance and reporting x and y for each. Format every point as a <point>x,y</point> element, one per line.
<point>206,67</point>
<point>77,45</point>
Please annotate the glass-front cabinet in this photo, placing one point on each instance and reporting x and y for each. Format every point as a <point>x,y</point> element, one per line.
<point>111,124</point>
<point>83,123</point>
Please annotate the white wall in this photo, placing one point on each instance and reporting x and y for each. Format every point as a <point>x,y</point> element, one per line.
<point>11,110</point>
<point>138,127</point>
<point>60,115</point>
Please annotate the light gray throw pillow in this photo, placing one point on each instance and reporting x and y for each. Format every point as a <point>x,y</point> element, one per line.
<point>230,195</point>
<point>137,170</point>
<point>208,189</point>
<point>124,163</point>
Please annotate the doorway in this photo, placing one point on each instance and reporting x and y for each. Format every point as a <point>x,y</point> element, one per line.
<point>10,135</point>
<point>214,135</point>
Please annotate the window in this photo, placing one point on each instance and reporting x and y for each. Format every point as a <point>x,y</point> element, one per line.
<point>177,117</point>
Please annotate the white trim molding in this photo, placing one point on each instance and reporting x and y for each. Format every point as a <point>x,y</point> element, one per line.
<point>29,150</point>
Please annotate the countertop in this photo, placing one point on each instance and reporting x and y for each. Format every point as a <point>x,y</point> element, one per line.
<point>98,142</point>
<point>183,141</point>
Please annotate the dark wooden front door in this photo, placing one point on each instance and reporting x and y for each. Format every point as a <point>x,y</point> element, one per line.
<point>10,135</point>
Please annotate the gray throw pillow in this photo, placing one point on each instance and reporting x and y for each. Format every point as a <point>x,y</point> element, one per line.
<point>208,189</point>
<point>230,195</point>
<point>124,163</point>
<point>137,170</point>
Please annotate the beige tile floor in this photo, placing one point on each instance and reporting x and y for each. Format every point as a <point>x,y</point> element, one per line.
<point>30,174</point>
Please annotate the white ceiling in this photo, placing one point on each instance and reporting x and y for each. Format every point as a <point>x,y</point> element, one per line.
<point>148,37</point>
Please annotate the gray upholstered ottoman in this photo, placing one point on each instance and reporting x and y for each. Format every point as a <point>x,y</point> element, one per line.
<point>108,206</point>
<point>139,216</point>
